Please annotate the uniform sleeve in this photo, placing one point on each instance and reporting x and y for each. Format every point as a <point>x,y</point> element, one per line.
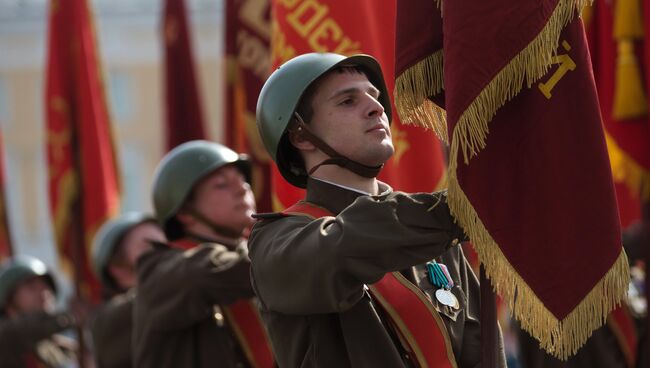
<point>305,266</point>
<point>111,330</point>
<point>22,334</point>
<point>177,289</point>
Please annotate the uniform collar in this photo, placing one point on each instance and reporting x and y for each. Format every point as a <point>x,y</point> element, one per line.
<point>335,197</point>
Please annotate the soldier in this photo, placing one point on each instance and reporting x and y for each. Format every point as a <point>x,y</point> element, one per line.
<point>117,246</point>
<point>194,300</point>
<point>356,275</point>
<point>29,326</point>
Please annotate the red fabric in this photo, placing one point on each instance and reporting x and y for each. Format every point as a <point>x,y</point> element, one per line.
<point>83,176</point>
<point>632,136</point>
<point>550,190</point>
<point>5,238</point>
<point>248,33</point>
<point>410,311</point>
<point>624,329</point>
<point>410,50</point>
<point>251,333</point>
<point>184,118</point>
<point>335,26</point>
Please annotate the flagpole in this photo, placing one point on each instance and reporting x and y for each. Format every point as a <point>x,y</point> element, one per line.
<point>77,248</point>
<point>645,220</point>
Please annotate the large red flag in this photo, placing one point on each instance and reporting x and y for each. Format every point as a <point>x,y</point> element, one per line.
<point>529,176</point>
<point>335,26</point>
<point>184,118</point>
<point>5,238</point>
<point>619,67</point>
<point>248,33</point>
<point>83,177</point>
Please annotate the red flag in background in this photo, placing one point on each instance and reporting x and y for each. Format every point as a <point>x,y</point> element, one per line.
<point>248,33</point>
<point>184,118</point>
<point>83,178</point>
<point>616,45</point>
<point>5,237</point>
<point>529,176</point>
<point>336,26</point>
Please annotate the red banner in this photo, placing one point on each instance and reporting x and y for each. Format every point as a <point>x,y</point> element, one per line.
<point>619,75</point>
<point>529,175</point>
<point>184,118</point>
<point>248,33</point>
<point>5,238</point>
<point>83,176</point>
<point>302,26</point>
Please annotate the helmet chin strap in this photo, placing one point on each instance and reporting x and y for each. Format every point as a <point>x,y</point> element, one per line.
<point>300,128</point>
<point>221,230</point>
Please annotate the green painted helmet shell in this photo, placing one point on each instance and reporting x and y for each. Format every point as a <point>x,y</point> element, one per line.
<point>20,268</point>
<point>178,173</point>
<point>108,237</point>
<point>283,90</point>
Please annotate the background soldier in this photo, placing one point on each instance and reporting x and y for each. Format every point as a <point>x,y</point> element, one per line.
<point>117,246</point>
<point>29,326</point>
<point>324,119</point>
<point>193,307</point>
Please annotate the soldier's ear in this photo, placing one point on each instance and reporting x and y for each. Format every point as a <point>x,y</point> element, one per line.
<point>299,141</point>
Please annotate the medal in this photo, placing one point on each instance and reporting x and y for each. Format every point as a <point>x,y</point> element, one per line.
<point>439,276</point>
<point>447,298</point>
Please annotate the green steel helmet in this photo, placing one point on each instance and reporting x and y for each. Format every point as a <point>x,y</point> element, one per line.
<point>18,269</point>
<point>178,173</point>
<point>281,95</point>
<point>107,239</point>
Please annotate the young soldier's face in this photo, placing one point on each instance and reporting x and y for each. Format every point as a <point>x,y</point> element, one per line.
<point>348,117</point>
<point>225,198</point>
<point>32,295</point>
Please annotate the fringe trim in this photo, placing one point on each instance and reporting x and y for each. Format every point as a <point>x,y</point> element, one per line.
<point>626,170</point>
<point>560,338</point>
<point>529,65</point>
<point>412,89</point>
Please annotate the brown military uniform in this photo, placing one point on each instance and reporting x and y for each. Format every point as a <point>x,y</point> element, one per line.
<point>175,320</point>
<point>310,274</point>
<point>32,340</point>
<point>111,331</point>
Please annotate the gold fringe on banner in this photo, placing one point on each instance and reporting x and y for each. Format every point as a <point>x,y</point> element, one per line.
<point>626,170</point>
<point>529,65</point>
<point>561,338</point>
<point>412,91</point>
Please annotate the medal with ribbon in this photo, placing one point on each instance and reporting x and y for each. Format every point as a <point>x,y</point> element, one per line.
<point>439,277</point>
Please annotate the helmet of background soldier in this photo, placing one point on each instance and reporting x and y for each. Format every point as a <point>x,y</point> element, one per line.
<point>18,269</point>
<point>108,237</point>
<point>281,95</point>
<point>180,170</point>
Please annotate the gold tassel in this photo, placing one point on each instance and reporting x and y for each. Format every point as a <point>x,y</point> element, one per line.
<point>626,170</point>
<point>627,20</point>
<point>629,97</point>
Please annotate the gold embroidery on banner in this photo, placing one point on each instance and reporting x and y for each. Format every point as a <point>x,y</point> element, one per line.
<point>566,64</point>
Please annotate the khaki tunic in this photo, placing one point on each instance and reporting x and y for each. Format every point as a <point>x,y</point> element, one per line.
<point>111,331</point>
<point>310,274</point>
<point>35,335</point>
<point>174,312</point>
